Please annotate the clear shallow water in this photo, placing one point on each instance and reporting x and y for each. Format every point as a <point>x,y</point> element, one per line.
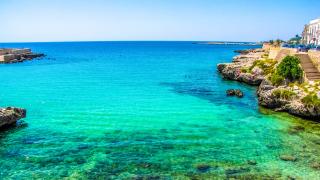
<point>124,110</point>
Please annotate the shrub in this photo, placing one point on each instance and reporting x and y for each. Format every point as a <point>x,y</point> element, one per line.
<point>245,70</point>
<point>311,100</point>
<point>283,94</point>
<point>290,69</point>
<point>266,65</point>
<point>276,79</point>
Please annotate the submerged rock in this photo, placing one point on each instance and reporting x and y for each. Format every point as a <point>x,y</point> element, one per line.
<point>315,165</point>
<point>234,92</point>
<point>238,170</point>
<point>10,115</point>
<point>288,158</point>
<point>296,129</point>
<point>203,167</point>
<point>252,162</point>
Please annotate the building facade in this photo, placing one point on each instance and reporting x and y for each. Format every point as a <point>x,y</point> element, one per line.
<point>311,33</point>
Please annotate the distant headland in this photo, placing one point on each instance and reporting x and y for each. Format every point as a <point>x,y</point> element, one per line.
<point>230,43</point>
<point>14,55</point>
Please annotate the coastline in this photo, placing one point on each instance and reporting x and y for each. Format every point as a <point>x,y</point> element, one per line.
<point>10,115</point>
<point>252,67</point>
<point>15,55</point>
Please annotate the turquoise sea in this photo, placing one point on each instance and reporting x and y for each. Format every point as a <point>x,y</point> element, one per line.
<point>144,110</point>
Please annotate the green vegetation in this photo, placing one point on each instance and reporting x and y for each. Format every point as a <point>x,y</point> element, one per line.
<point>283,94</point>
<point>311,100</point>
<point>245,70</point>
<point>276,42</point>
<point>289,69</point>
<point>276,79</point>
<point>266,65</point>
<point>295,40</point>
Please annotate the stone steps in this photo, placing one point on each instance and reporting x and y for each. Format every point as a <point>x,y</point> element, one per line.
<point>312,73</point>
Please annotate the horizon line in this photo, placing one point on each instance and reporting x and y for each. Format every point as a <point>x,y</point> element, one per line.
<point>12,42</point>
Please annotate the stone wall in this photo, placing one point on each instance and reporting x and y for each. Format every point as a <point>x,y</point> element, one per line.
<point>315,57</point>
<point>279,53</point>
<point>273,52</point>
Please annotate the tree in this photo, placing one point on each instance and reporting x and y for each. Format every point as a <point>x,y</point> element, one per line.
<point>295,40</point>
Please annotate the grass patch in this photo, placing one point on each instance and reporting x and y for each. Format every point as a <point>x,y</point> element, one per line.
<point>283,94</point>
<point>267,65</point>
<point>276,79</point>
<point>311,100</point>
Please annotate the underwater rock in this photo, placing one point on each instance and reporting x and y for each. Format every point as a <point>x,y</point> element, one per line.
<point>234,92</point>
<point>315,165</point>
<point>291,177</point>
<point>203,168</point>
<point>316,141</point>
<point>252,162</point>
<point>238,170</point>
<point>288,158</point>
<point>10,115</point>
<point>296,129</point>
<point>146,177</point>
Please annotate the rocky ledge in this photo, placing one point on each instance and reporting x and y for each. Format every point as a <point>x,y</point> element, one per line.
<point>287,99</point>
<point>233,71</point>
<point>10,115</point>
<point>13,55</point>
<point>297,99</point>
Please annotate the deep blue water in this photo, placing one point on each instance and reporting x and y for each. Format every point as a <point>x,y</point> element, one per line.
<point>123,110</point>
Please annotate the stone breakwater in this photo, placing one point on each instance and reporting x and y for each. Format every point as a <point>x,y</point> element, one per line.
<point>10,115</point>
<point>270,96</point>
<point>14,55</point>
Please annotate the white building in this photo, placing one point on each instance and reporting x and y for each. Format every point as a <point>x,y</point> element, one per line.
<point>311,33</point>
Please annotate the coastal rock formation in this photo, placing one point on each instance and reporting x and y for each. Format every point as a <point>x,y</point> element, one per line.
<point>234,92</point>
<point>10,115</point>
<point>13,55</point>
<point>293,105</point>
<point>233,71</point>
<point>291,99</point>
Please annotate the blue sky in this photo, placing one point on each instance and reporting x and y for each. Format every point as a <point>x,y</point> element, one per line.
<point>207,20</point>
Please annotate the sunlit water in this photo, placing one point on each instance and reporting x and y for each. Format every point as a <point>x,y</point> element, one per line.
<point>122,110</point>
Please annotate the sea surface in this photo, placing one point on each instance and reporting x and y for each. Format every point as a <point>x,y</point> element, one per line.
<point>144,110</point>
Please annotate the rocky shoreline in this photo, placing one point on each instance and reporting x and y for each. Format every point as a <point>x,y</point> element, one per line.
<point>10,115</point>
<point>252,67</point>
<point>14,55</point>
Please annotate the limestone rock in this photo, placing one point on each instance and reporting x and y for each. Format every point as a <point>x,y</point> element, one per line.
<point>234,92</point>
<point>288,158</point>
<point>10,115</point>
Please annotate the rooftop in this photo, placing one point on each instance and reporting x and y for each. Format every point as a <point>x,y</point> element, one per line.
<point>315,21</point>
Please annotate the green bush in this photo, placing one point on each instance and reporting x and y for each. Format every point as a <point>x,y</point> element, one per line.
<point>283,94</point>
<point>311,100</point>
<point>290,69</point>
<point>276,79</point>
